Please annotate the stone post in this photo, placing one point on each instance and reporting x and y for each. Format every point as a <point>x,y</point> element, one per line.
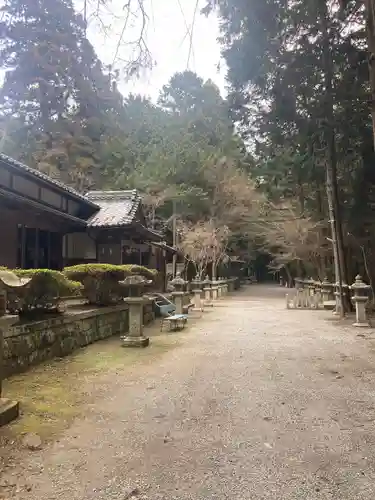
<point>196,283</point>
<point>197,291</point>
<point>135,337</point>
<point>207,291</point>
<point>178,299</point>
<point>298,283</point>
<point>327,290</point>
<point>198,303</point>
<point>318,295</point>
<point>180,296</point>
<point>231,285</point>
<point>9,410</point>
<point>359,299</point>
<point>220,288</point>
<point>344,289</point>
<point>310,293</point>
<point>215,290</point>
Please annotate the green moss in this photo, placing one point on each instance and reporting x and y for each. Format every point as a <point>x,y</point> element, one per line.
<point>53,394</point>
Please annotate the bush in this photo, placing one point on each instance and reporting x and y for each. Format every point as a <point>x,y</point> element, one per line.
<point>66,287</point>
<point>43,293</point>
<point>150,274</point>
<point>82,271</point>
<point>102,281</point>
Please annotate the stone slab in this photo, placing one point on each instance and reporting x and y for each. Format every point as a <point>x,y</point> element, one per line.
<point>9,410</point>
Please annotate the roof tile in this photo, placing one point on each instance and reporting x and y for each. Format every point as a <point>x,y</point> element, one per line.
<point>117,208</point>
<point>36,173</point>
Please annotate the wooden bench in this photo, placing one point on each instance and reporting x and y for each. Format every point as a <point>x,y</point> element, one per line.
<point>176,322</point>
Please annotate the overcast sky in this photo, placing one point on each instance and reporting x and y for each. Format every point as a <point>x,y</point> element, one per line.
<point>167,40</point>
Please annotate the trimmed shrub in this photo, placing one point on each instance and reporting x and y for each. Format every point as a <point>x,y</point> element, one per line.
<point>102,282</point>
<point>66,287</point>
<point>81,271</point>
<point>43,293</point>
<point>150,274</point>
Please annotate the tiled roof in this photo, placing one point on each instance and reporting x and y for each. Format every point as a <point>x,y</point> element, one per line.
<point>117,208</point>
<point>36,173</point>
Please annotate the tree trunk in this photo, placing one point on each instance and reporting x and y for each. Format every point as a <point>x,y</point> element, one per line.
<point>370,24</point>
<point>332,219</point>
<point>331,162</point>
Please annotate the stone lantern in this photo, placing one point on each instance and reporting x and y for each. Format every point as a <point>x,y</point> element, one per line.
<point>215,289</point>
<point>178,295</point>
<point>361,294</point>
<point>225,286</point>
<point>178,283</point>
<point>207,291</point>
<point>220,287</point>
<point>318,300</point>
<point>298,283</point>
<point>327,290</point>
<point>196,282</point>
<point>197,291</point>
<point>310,284</point>
<point>9,410</point>
<point>135,337</point>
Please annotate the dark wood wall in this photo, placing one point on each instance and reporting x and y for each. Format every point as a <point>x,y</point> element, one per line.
<point>11,227</point>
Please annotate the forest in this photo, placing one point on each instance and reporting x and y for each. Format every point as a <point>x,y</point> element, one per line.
<point>282,166</point>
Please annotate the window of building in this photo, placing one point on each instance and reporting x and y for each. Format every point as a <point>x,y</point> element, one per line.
<point>38,248</point>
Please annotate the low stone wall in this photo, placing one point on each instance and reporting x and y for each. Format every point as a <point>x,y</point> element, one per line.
<point>32,343</point>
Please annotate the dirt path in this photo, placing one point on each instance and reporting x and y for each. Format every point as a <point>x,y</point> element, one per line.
<point>255,402</point>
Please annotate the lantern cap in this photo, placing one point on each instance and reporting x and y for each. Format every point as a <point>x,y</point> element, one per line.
<point>359,284</point>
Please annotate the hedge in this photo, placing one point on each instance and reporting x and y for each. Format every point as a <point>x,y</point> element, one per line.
<point>102,282</point>
<point>43,292</point>
<point>82,271</point>
<point>64,285</point>
<point>150,274</point>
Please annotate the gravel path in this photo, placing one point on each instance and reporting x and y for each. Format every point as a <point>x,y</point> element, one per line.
<point>257,403</point>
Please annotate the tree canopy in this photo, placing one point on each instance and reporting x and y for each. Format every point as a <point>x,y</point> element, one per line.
<point>258,167</point>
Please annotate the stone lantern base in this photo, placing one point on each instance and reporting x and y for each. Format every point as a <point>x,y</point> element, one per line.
<point>9,410</point>
<point>135,337</point>
<point>135,341</point>
<point>360,311</point>
<point>198,303</point>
